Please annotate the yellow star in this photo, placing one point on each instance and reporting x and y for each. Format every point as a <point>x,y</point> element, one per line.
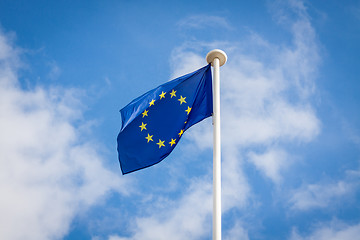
<point>143,126</point>
<point>188,110</point>
<point>145,113</point>
<point>172,142</point>
<point>173,93</point>
<point>149,138</point>
<point>182,100</point>
<point>162,95</point>
<point>152,103</point>
<point>181,132</point>
<point>161,143</point>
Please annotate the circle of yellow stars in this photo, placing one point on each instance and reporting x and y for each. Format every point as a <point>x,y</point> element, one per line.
<point>149,138</point>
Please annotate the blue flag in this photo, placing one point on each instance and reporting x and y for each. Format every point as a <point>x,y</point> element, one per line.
<point>153,123</point>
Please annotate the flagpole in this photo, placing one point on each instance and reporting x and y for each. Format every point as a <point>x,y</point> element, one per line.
<point>217,58</point>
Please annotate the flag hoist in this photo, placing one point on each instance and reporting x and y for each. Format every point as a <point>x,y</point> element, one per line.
<point>217,58</point>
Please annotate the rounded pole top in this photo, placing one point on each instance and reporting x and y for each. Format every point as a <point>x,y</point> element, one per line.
<point>216,53</point>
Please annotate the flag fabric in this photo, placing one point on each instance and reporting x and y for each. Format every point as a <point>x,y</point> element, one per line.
<point>153,123</point>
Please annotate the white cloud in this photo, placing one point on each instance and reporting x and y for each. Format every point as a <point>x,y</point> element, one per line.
<point>334,230</point>
<point>48,172</point>
<point>322,195</point>
<point>183,61</point>
<point>204,21</point>
<point>54,70</point>
<point>8,60</point>
<point>237,232</point>
<point>188,218</point>
<point>318,195</point>
<point>235,188</point>
<point>270,163</point>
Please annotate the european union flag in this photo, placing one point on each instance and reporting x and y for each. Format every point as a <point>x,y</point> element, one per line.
<point>153,123</point>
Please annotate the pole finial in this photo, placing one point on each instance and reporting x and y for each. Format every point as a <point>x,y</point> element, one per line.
<point>216,53</point>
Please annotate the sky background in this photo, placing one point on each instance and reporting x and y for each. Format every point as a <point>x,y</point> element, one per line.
<point>290,95</point>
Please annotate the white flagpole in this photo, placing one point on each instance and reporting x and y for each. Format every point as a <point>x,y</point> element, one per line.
<point>217,58</point>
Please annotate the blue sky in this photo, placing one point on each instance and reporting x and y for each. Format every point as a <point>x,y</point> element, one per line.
<point>290,119</point>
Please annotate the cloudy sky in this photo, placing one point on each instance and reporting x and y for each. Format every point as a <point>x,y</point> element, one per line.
<point>290,95</point>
